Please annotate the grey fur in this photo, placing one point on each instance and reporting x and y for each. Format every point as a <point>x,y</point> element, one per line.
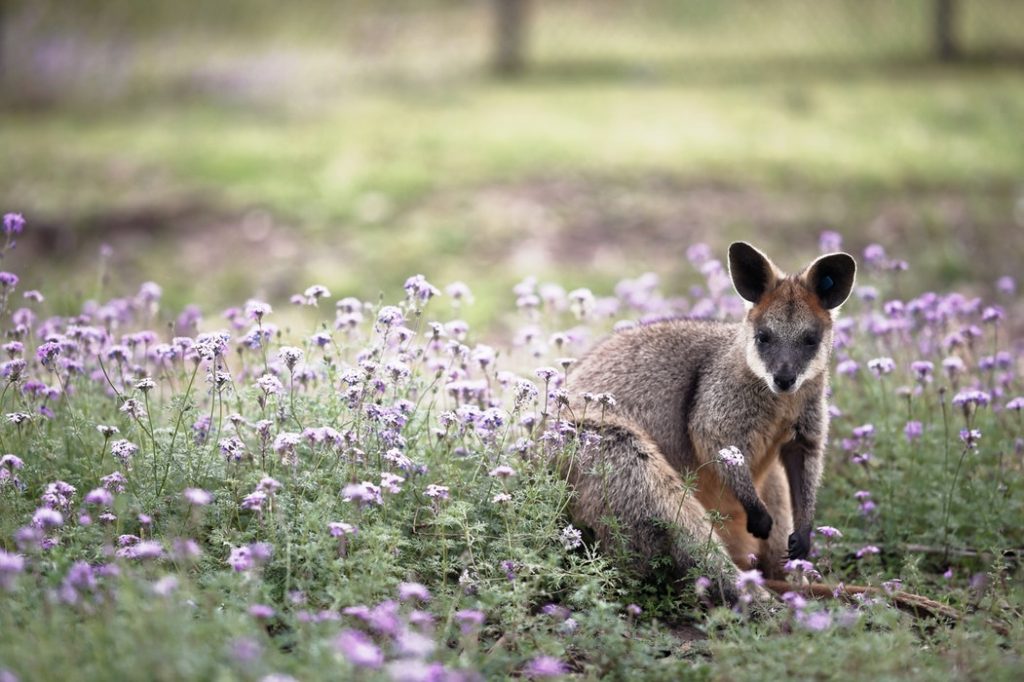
<point>686,389</point>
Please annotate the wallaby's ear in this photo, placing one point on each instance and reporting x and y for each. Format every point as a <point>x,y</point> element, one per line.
<point>751,271</point>
<point>831,278</point>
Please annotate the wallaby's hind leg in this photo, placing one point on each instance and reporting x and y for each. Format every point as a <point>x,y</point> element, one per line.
<point>626,477</point>
<point>774,491</point>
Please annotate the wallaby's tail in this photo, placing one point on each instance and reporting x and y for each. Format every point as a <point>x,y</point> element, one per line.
<point>627,493</point>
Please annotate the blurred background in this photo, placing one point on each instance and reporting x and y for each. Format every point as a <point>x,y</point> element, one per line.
<point>248,147</point>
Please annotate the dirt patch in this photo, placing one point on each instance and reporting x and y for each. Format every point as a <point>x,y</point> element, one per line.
<point>589,227</point>
<point>949,237</point>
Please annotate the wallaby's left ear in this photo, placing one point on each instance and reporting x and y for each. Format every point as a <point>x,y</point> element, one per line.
<point>831,277</point>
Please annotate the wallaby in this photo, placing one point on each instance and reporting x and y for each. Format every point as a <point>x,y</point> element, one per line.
<point>685,390</point>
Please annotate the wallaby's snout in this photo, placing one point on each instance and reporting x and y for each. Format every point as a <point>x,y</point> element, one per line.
<point>784,379</point>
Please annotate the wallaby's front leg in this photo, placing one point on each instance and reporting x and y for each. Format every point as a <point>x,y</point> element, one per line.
<point>739,481</point>
<point>803,459</point>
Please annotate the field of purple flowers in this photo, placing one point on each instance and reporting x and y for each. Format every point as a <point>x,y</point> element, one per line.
<point>326,488</point>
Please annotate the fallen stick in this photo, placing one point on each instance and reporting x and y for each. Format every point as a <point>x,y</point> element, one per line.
<point>906,601</point>
<point>1010,554</point>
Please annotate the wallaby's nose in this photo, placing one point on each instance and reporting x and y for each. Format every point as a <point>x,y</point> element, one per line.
<point>784,380</point>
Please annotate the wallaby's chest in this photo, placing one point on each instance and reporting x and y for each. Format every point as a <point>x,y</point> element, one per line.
<point>765,451</point>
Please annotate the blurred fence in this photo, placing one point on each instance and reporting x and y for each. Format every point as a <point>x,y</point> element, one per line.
<point>53,49</point>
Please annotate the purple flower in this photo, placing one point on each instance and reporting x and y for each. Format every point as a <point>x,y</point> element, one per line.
<point>418,289</point>
<point>268,485</point>
<point>261,552</point>
<point>794,600</point>
<point>438,492</point>
<point>815,621</point>
<point>11,462</point>
<point>364,494</point>
<point>503,471</point>
<point>570,537</point>
<point>146,549</point>
<point>874,254</point>
<point>731,456</point>
<point>165,586</point>
<point>748,580</point>
<point>46,517</point>
<point>545,666</point>
<point>261,611</point>
<point>546,373</point>
<point>290,356</point>
<point>993,314</point>
<point>699,253</point>
<point>416,591</point>
<point>114,482</point>
<point>1016,404</point>
<point>971,398</point>
<point>58,495</point>
<point>240,559</point>
<point>185,550</point>
<point>459,292</point>
<point>848,368</point>
<point>414,644</point>
<point>254,500</point>
<point>14,223</point>
<point>953,365</point>
<point>9,279</point>
<point>10,566</point>
<point>881,366</point>
<point>123,451</point>
<point>257,310</point>
<point>801,567</point>
<point>197,497</point>
<point>830,241</point>
<point>270,384</point>
<point>913,430</point>
<point>47,352</point>
<point>469,620</point>
<point>341,529</point>
<point>359,649</point>
<point>389,316</point>
<point>100,497</point>
<point>246,649</point>
<point>383,617</point>
<point>865,431</point>
<point>829,532</point>
<point>866,551</point>
<point>391,482</point>
<point>970,437</point>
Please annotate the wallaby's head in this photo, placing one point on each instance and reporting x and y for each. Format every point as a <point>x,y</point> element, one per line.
<point>788,327</point>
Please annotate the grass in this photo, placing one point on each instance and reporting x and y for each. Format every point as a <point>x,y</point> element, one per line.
<point>376,160</point>
<point>257,577</point>
<point>235,154</point>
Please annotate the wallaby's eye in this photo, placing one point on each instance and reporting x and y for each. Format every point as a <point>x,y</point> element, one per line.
<point>763,337</point>
<point>811,340</point>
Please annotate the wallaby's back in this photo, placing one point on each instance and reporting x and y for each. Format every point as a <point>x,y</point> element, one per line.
<point>655,371</point>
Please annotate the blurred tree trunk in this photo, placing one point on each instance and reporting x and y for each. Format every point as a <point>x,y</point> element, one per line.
<point>946,45</point>
<point>3,26</point>
<point>510,19</point>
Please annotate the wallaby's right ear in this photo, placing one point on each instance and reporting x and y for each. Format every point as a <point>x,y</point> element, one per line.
<point>751,271</point>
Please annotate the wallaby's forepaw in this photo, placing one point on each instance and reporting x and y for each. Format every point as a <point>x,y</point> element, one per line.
<point>759,522</point>
<point>799,545</point>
